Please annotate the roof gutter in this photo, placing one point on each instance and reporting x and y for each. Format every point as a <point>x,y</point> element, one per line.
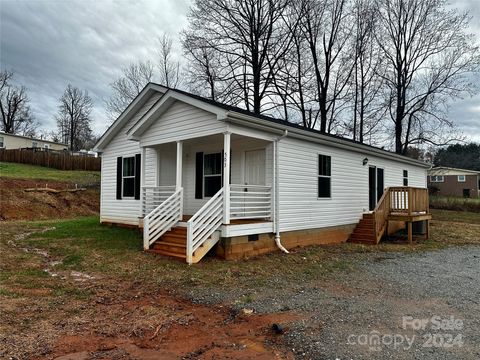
<point>253,121</point>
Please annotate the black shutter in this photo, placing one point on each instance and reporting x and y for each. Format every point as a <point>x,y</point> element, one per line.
<point>138,170</point>
<point>199,175</point>
<point>119,177</point>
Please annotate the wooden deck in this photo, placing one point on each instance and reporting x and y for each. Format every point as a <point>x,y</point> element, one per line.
<point>407,204</point>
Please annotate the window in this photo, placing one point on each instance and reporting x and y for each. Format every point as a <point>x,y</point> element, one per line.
<point>2,144</point>
<point>324,176</point>
<point>405,177</point>
<point>461,178</point>
<point>34,144</point>
<point>212,174</point>
<point>46,146</point>
<point>128,177</point>
<point>436,178</point>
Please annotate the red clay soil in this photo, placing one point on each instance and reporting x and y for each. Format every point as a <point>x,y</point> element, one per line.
<point>17,204</point>
<point>182,330</point>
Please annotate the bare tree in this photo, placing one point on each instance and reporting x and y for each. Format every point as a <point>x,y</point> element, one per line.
<point>429,56</point>
<point>170,71</point>
<point>14,107</point>
<point>249,40</point>
<point>203,72</point>
<point>126,88</point>
<point>326,27</point>
<point>73,119</point>
<point>368,65</point>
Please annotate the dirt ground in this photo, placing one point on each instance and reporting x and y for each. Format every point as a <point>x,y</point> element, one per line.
<point>50,312</point>
<point>17,204</point>
<point>73,289</point>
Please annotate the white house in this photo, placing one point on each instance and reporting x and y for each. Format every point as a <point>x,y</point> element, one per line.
<point>164,166</point>
<point>11,141</point>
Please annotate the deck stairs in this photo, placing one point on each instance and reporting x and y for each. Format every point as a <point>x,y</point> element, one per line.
<point>364,232</point>
<point>174,244</point>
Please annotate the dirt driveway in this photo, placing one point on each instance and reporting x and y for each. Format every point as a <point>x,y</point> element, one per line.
<point>376,312</point>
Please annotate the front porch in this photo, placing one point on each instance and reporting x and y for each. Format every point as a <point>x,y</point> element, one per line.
<point>185,215</point>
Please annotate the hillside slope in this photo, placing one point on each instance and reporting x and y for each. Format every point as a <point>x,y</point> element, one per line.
<point>18,204</point>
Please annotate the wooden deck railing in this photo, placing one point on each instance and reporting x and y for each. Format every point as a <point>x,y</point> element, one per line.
<point>399,200</point>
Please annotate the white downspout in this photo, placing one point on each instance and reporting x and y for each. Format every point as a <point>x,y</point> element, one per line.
<point>276,193</point>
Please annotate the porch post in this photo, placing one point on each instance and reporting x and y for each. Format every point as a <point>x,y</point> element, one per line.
<point>178,183</point>
<point>142,182</point>
<point>226,178</point>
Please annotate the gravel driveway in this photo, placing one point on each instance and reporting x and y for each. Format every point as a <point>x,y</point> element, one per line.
<point>390,307</point>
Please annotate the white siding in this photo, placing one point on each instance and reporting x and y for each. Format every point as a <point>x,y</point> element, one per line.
<point>126,210</point>
<point>181,121</point>
<point>299,206</point>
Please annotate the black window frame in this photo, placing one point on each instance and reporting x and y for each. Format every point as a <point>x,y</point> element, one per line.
<point>324,176</point>
<point>405,177</point>
<point>213,175</point>
<point>128,196</point>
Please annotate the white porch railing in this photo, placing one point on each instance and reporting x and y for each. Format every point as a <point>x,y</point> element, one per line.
<point>162,218</point>
<point>250,201</point>
<point>154,196</point>
<point>204,223</point>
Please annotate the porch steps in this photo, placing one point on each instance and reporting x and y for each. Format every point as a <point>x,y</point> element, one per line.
<point>174,244</point>
<point>364,232</point>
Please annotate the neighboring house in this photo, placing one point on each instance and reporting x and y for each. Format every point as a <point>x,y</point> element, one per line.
<point>165,158</point>
<point>10,141</point>
<point>448,181</point>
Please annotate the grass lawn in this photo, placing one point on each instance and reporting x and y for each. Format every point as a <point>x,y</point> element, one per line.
<point>86,246</point>
<point>23,171</point>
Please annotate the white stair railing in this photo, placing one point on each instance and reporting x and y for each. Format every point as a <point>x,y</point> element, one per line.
<point>155,195</point>
<point>250,201</point>
<point>162,218</point>
<point>204,223</point>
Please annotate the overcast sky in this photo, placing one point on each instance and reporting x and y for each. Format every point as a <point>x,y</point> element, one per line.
<point>87,42</point>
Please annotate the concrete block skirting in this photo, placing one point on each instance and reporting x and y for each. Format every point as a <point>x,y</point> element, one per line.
<point>240,247</point>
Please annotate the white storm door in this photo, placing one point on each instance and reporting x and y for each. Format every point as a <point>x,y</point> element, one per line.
<point>255,167</point>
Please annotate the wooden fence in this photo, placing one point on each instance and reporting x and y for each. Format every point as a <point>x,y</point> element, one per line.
<point>61,160</point>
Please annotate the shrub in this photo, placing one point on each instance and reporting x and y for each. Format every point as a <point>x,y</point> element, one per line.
<point>455,203</point>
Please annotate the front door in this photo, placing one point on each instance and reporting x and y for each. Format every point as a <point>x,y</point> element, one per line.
<point>376,184</point>
<point>255,167</point>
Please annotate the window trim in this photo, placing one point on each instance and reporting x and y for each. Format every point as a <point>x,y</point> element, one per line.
<point>405,177</point>
<point>128,177</point>
<point>34,144</point>
<point>212,175</point>
<point>324,176</point>
<point>437,178</point>
<point>461,181</point>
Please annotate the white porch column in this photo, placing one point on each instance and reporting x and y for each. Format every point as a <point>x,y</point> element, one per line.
<point>226,178</point>
<point>142,181</point>
<point>178,183</point>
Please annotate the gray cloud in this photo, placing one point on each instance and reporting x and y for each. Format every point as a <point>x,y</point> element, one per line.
<point>86,43</point>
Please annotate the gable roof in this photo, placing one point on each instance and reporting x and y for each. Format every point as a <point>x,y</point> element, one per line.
<point>444,170</point>
<point>229,112</point>
<point>127,114</point>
